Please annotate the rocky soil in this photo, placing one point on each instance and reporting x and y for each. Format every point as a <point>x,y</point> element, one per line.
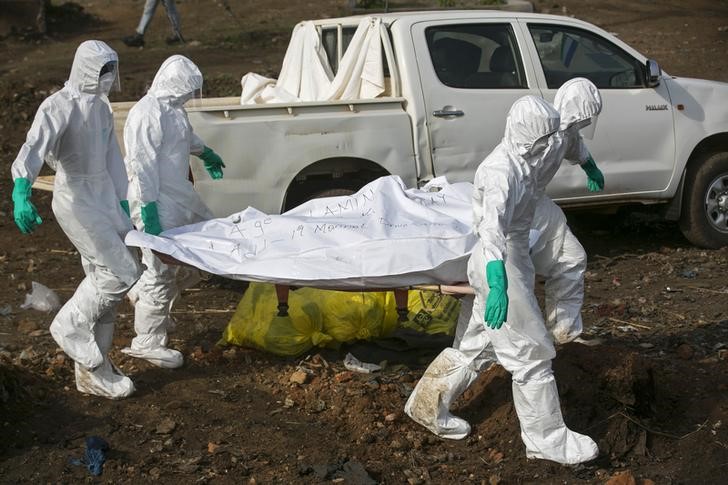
<point>652,389</point>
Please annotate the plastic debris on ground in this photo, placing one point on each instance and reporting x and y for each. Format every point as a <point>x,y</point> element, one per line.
<point>355,365</point>
<point>94,456</point>
<point>41,298</point>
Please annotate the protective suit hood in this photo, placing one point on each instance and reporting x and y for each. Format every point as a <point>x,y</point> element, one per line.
<point>577,100</point>
<point>90,57</point>
<point>529,119</point>
<point>177,77</point>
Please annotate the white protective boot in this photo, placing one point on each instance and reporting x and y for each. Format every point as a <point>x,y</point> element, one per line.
<point>565,290</point>
<point>443,382</point>
<point>152,348</point>
<point>155,293</point>
<point>106,380</point>
<point>542,426</point>
<point>558,256</point>
<point>73,326</point>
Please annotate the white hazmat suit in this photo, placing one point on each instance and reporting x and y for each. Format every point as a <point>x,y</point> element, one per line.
<point>557,254</point>
<point>73,131</point>
<point>504,199</point>
<point>159,140</point>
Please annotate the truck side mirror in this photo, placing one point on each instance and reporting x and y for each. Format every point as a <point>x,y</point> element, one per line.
<point>652,73</point>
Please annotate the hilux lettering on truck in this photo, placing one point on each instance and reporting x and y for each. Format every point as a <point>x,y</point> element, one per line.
<point>448,81</point>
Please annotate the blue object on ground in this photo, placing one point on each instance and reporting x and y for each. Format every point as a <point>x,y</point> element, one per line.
<point>95,455</point>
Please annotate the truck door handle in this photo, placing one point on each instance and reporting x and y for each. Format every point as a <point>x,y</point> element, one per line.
<point>444,113</point>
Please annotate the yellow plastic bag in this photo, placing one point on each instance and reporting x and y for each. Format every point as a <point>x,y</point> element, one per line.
<point>432,312</point>
<point>327,318</point>
<point>350,315</point>
<point>256,324</point>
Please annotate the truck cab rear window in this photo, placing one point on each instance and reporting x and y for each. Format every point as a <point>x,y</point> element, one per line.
<point>330,38</point>
<point>476,56</point>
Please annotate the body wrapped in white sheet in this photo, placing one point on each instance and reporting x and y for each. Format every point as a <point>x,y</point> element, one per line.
<point>384,236</point>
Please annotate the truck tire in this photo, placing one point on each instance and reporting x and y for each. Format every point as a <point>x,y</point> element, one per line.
<point>704,218</point>
<point>332,193</point>
<point>299,197</point>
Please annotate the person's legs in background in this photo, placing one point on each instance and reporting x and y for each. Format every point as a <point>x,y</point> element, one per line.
<point>173,16</point>
<point>137,39</point>
<point>150,6</point>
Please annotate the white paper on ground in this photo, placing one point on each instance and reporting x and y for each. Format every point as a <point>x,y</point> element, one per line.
<point>355,365</point>
<point>384,236</point>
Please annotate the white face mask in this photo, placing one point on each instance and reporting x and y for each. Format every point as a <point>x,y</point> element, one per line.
<point>539,146</point>
<point>178,101</point>
<point>585,127</point>
<point>588,131</point>
<point>106,81</point>
<point>183,99</point>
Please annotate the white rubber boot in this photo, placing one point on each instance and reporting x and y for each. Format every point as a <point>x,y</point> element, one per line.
<point>106,380</point>
<point>443,382</point>
<point>153,349</point>
<point>159,356</point>
<point>542,426</point>
<point>73,331</point>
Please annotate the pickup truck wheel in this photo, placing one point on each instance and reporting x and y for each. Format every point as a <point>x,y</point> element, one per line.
<point>704,218</point>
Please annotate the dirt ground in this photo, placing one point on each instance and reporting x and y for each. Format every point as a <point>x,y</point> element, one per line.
<point>653,391</point>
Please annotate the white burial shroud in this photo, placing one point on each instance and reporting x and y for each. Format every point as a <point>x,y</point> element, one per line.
<point>306,73</point>
<point>384,236</point>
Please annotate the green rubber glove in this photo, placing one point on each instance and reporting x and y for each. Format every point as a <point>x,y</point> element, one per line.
<point>213,163</point>
<point>595,178</point>
<point>150,218</point>
<point>496,306</point>
<point>24,212</point>
<point>125,207</point>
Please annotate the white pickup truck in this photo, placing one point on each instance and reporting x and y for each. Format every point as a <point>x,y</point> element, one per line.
<point>451,78</point>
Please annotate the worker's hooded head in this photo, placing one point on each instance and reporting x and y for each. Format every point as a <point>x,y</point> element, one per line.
<point>529,125</point>
<point>178,80</point>
<point>579,103</point>
<point>95,68</point>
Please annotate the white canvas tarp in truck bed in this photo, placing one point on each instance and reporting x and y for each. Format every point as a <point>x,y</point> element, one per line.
<point>306,73</point>
<point>384,236</point>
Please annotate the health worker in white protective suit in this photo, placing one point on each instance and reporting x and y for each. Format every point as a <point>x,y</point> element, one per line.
<point>557,254</point>
<point>159,140</point>
<point>73,132</point>
<point>502,274</point>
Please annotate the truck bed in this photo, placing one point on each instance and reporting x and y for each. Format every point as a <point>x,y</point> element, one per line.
<point>301,135</point>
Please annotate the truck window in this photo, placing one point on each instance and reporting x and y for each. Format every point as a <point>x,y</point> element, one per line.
<point>476,56</point>
<point>329,38</point>
<point>567,52</point>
